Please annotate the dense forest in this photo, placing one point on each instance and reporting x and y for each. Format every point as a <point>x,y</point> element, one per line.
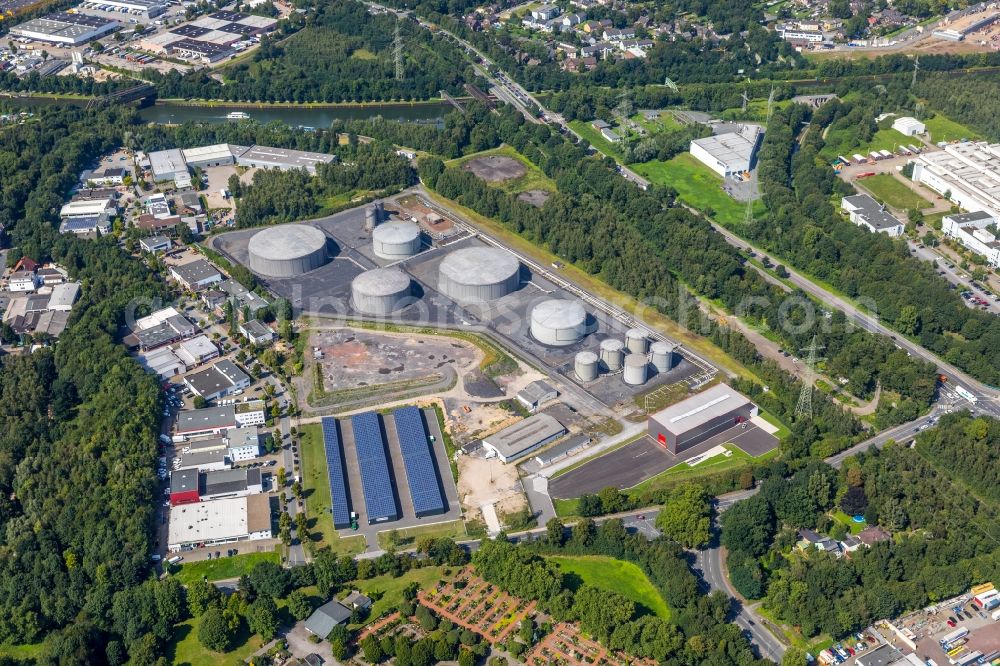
<point>803,227</point>
<point>972,100</point>
<point>943,540</point>
<point>343,54</point>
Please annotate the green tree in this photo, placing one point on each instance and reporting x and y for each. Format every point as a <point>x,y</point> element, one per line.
<point>262,617</point>
<point>372,650</point>
<point>214,631</point>
<point>200,596</point>
<point>686,516</point>
<point>299,605</point>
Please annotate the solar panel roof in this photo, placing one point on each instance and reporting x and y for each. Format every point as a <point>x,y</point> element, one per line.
<point>418,461</point>
<point>335,471</point>
<point>380,501</point>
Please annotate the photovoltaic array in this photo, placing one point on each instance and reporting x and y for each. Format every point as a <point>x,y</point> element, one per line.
<point>418,461</point>
<point>376,483</point>
<point>340,506</point>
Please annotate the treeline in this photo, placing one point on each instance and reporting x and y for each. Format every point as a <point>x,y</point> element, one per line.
<point>285,196</point>
<point>697,632</point>
<point>343,54</point>
<point>975,444</point>
<point>76,460</point>
<point>803,227</point>
<point>970,99</point>
<point>943,540</point>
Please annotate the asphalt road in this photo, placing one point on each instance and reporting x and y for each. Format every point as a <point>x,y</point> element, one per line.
<point>956,276</point>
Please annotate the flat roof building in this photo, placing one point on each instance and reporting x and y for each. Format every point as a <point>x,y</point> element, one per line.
<point>282,158</point>
<point>205,461</point>
<point>165,164</point>
<point>219,522</point>
<point>139,10</point>
<point>198,51</point>
<point>162,362</point>
<point>64,296</point>
<point>562,450</point>
<point>870,214</point>
<point>219,154</point>
<point>229,483</point>
<point>154,244</point>
<point>695,419</point>
<point>523,437</point>
<point>197,350</point>
<point>217,381</point>
<point>184,487</point>
<point>972,231</point>
<point>731,153</point>
<point>207,421</point>
<point>65,29</point>
<point>196,275</point>
<point>969,173</point>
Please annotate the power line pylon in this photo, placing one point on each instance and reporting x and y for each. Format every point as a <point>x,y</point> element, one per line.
<point>804,409</point>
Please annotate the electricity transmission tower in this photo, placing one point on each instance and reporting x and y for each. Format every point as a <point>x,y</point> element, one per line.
<point>804,408</point>
<point>397,52</point>
<point>746,99</point>
<point>670,84</point>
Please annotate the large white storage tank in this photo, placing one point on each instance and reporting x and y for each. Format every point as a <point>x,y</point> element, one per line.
<point>662,355</point>
<point>637,340</point>
<point>479,274</point>
<point>287,250</point>
<point>381,291</point>
<point>586,366</point>
<point>612,354</point>
<point>396,240</point>
<point>636,369</point>
<point>558,322</point>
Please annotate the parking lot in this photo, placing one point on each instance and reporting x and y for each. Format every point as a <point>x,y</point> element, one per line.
<point>927,626</point>
<point>643,459</point>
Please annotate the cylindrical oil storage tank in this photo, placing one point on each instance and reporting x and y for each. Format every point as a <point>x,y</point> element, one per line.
<point>635,369</point>
<point>662,355</point>
<point>558,322</point>
<point>396,240</point>
<point>586,366</point>
<point>637,340</point>
<point>287,250</point>
<point>612,354</point>
<point>371,218</point>
<point>479,274</point>
<point>381,291</point>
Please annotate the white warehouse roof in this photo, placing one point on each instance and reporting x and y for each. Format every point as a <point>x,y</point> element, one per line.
<point>219,520</point>
<point>219,151</point>
<point>699,409</point>
<point>84,208</point>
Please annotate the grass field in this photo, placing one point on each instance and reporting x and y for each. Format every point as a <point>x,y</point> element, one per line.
<point>697,185</point>
<point>707,467</point>
<point>594,138</point>
<point>388,591</point>
<point>533,179</point>
<point>848,522</point>
<point>618,576</point>
<point>845,142</point>
<point>184,648</point>
<point>223,568</point>
<point>23,652</point>
<point>890,191</point>
<point>408,537</point>
<point>316,489</point>
<point>665,122</point>
<point>942,128</point>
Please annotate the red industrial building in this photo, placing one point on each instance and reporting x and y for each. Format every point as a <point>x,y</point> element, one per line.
<point>184,487</point>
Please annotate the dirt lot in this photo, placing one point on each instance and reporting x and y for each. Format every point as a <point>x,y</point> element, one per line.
<point>355,358</point>
<point>536,198</point>
<point>488,481</point>
<point>495,168</point>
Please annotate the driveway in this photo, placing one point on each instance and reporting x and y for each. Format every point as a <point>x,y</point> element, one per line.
<point>299,644</point>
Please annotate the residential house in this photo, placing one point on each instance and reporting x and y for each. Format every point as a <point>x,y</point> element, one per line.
<point>326,617</point>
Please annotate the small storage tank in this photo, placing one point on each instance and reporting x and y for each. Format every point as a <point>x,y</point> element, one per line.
<point>612,354</point>
<point>396,240</point>
<point>662,355</point>
<point>586,366</point>
<point>381,291</point>
<point>371,218</point>
<point>637,340</point>
<point>558,322</point>
<point>635,369</point>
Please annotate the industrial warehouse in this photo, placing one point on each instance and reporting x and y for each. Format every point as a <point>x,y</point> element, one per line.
<point>729,153</point>
<point>388,471</point>
<point>65,29</point>
<point>167,165</point>
<point>969,173</point>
